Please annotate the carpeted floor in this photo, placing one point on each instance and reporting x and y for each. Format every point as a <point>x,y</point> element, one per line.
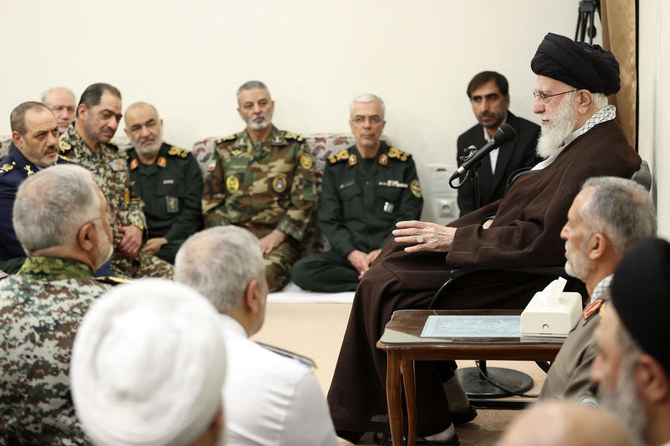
<point>316,330</point>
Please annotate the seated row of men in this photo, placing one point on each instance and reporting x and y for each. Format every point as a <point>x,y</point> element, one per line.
<point>146,364</point>
<point>261,179</point>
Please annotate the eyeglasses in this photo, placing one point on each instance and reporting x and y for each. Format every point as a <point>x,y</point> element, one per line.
<point>544,97</point>
<point>361,120</point>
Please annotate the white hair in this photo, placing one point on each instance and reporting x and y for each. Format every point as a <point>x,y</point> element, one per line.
<point>364,98</point>
<point>220,262</point>
<point>51,206</point>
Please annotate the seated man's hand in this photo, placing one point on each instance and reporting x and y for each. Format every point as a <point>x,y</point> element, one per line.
<point>132,240</point>
<point>360,261</point>
<point>487,224</point>
<point>424,236</point>
<point>271,241</point>
<point>372,256</point>
<point>153,245</point>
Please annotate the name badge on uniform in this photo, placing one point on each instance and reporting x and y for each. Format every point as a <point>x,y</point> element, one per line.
<point>388,207</point>
<point>172,204</point>
<point>117,165</point>
<point>168,181</point>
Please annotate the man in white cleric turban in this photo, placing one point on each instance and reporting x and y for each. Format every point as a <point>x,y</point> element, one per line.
<point>147,367</point>
<point>276,399</point>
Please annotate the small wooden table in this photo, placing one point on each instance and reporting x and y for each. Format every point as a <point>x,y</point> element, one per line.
<point>403,344</point>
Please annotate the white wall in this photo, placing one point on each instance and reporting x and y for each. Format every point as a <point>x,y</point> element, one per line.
<point>654,131</point>
<point>189,57</point>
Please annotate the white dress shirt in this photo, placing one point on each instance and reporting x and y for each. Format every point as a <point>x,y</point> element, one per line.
<point>271,399</point>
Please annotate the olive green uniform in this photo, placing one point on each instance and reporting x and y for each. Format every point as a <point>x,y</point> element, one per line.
<point>361,201</point>
<point>110,173</point>
<point>171,188</point>
<point>263,186</point>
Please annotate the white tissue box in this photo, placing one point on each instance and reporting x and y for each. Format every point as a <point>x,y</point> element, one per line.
<point>538,319</point>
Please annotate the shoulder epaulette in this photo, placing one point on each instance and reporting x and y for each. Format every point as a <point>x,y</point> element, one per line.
<point>399,154</point>
<point>112,280</point>
<point>64,146</point>
<point>227,138</point>
<point>66,158</point>
<point>6,168</point>
<point>177,152</point>
<point>342,155</point>
<point>291,135</point>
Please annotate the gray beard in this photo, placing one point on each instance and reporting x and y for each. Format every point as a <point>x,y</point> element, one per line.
<point>554,133</point>
<point>267,120</point>
<point>624,402</point>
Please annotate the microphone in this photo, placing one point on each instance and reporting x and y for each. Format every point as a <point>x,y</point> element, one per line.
<point>505,134</point>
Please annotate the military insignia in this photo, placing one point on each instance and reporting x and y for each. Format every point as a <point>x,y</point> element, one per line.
<point>236,152</point>
<point>172,204</point>
<point>395,153</point>
<point>117,165</point>
<point>212,165</point>
<point>6,168</point>
<point>339,156</point>
<point>168,181</point>
<point>306,161</point>
<point>383,159</point>
<point>232,184</point>
<point>112,280</point>
<point>133,164</point>
<point>162,161</point>
<point>176,151</point>
<point>29,170</point>
<point>126,195</point>
<point>279,184</point>
<point>388,207</point>
<point>64,146</point>
<point>588,311</point>
<point>226,138</point>
<point>353,160</point>
<point>416,188</point>
<point>291,135</point>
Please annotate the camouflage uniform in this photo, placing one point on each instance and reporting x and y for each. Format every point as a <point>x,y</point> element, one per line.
<point>263,186</point>
<point>40,310</point>
<point>111,175</point>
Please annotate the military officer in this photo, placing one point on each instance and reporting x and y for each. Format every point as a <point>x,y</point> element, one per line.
<point>366,189</point>
<point>167,178</point>
<point>87,143</point>
<point>262,179</point>
<point>42,306</point>
<point>35,134</point>
<point>62,102</point>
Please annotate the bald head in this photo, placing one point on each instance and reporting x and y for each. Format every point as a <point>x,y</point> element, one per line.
<point>62,102</point>
<point>559,423</point>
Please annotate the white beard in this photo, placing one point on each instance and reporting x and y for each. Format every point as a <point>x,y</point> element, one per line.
<point>559,127</point>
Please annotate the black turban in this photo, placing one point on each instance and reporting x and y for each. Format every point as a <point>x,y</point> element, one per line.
<point>578,64</point>
<point>641,296</point>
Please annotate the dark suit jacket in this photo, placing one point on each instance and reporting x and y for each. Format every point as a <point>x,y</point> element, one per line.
<point>518,153</point>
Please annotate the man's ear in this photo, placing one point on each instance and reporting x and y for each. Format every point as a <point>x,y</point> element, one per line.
<point>651,381</point>
<point>252,297</point>
<point>18,139</point>
<point>86,237</point>
<point>584,99</point>
<point>597,246</point>
<point>82,110</point>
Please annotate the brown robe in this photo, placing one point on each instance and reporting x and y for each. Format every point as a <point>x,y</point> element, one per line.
<point>525,233</point>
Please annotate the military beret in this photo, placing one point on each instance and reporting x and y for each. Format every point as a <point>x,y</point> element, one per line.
<point>577,64</point>
<point>641,296</point>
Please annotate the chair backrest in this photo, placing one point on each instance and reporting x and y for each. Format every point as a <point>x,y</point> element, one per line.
<point>643,176</point>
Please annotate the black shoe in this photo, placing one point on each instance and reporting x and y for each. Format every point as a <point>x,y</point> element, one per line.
<point>464,416</point>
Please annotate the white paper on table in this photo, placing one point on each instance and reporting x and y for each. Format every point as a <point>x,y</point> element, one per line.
<point>472,326</point>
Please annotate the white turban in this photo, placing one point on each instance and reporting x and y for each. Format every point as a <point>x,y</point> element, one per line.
<point>148,364</point>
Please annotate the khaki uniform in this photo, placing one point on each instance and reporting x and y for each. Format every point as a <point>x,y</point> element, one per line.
<point>110,172</point>
<point>263,186</point>
<point>40,310</point>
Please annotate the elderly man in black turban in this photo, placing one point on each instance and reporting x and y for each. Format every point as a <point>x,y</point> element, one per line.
<point>579,140</point>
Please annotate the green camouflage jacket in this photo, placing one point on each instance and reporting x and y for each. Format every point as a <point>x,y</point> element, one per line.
<point>110,172</point>
<point>261,186</point>
<point>40,310</point>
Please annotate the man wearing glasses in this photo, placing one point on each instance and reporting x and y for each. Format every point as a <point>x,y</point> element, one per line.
<point>366,190</point>
<point>580,139</point>
<point>262,179</point>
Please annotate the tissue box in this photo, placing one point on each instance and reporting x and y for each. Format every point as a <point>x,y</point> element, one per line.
<point>538,319</point>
